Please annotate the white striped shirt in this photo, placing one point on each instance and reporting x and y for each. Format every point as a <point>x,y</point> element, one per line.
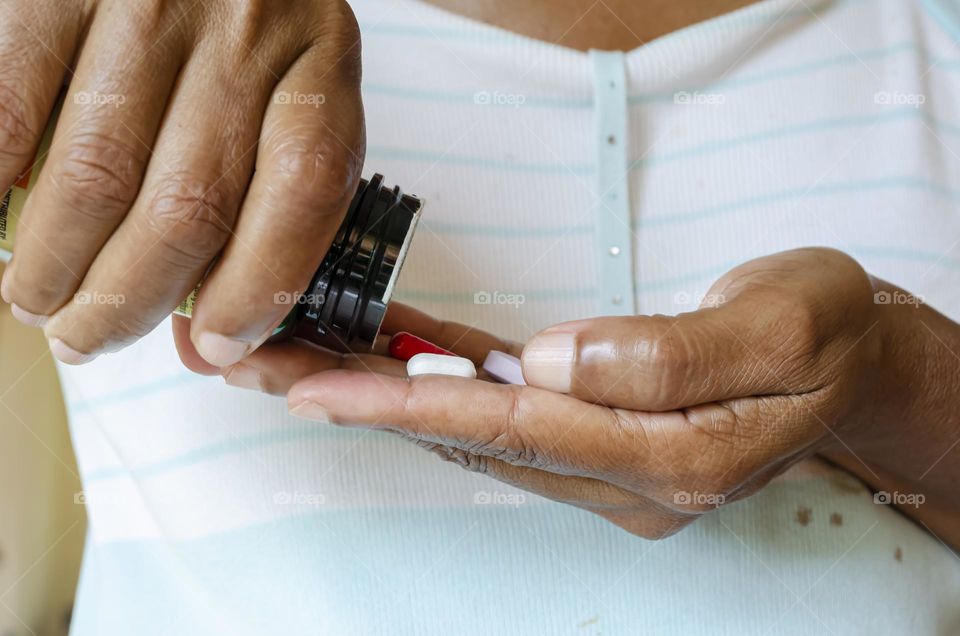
<point>580,184</point>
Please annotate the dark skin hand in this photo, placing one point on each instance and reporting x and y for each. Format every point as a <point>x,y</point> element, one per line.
<point>191,131</point>
<point>171,106</point>
<point>653,421</point>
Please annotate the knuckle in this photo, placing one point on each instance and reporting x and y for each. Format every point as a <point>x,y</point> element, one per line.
<point>719,428</point>
<point>191,218</point>
<point>668,351</point>
<point>346,20</point>
<point>339,28</point>
<point>98,175</point>
<point>42,288</point>
<point>103,328</point>
<point>313,175</point>
<point>512,444</point>
<point>18,135</point>
<point>147,17</point>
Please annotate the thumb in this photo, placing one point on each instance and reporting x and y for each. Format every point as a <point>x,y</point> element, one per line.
<point>663,363</point>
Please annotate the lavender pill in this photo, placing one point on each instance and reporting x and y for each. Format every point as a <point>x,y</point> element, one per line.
<point>504,368</point>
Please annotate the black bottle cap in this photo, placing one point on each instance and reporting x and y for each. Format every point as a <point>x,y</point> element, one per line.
<point>348,297</point>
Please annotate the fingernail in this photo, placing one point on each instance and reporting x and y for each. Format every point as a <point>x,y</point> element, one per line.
<point>311,411</point>
<point>68,355</point>
<point>4,292</point>
<point>548,361</point>
<point>221,351</point>
<point>245,377</point>
<point>27,318</point>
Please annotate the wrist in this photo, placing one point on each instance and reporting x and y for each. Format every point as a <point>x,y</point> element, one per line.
<point>908,408</point>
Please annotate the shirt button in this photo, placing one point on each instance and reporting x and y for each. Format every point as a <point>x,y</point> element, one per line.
<point>616,300</point>
<point>614,251</point>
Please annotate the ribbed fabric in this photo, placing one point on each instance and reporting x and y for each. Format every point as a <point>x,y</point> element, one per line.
<point>784,124</point>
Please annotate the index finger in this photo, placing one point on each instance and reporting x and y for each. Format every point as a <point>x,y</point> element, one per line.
<point>523,425</point>
<point>308,167</point>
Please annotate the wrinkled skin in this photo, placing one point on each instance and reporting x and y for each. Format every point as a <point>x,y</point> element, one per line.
<point>171,106</point>
<point>652,421</point>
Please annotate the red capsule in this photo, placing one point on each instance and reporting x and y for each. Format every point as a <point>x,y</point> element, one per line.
<point>404,346</point>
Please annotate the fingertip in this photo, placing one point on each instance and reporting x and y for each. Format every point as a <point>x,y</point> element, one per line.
<point>68,355</point>
<point>28,318</point>
<point>5,284</point>
<point>548,360</point>
<point>311,411</point>
<point>221,351</point>
<point>244,376</point>
<point>189,355</point>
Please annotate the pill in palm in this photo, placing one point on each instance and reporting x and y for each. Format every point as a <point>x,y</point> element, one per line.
<point>404,345</point>
<point>504,368</point>
<point>435,364</point>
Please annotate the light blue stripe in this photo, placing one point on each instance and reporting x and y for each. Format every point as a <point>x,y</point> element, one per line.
<point>905,254</point>
<point>133,393</point>
<point>466,298</point>
<point>408,92</point>
<point>503,231</point>
<point>671,284</point>
<point>541,101</point>
<point>668,284</point>
<point>831,189</point>
<point>857,57</point>
<point>859,252</point>
<point>824,125</point>
<point>823,190</point>
<point>213,451</point>
<point>406,154</point>
<point>946,14</point>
